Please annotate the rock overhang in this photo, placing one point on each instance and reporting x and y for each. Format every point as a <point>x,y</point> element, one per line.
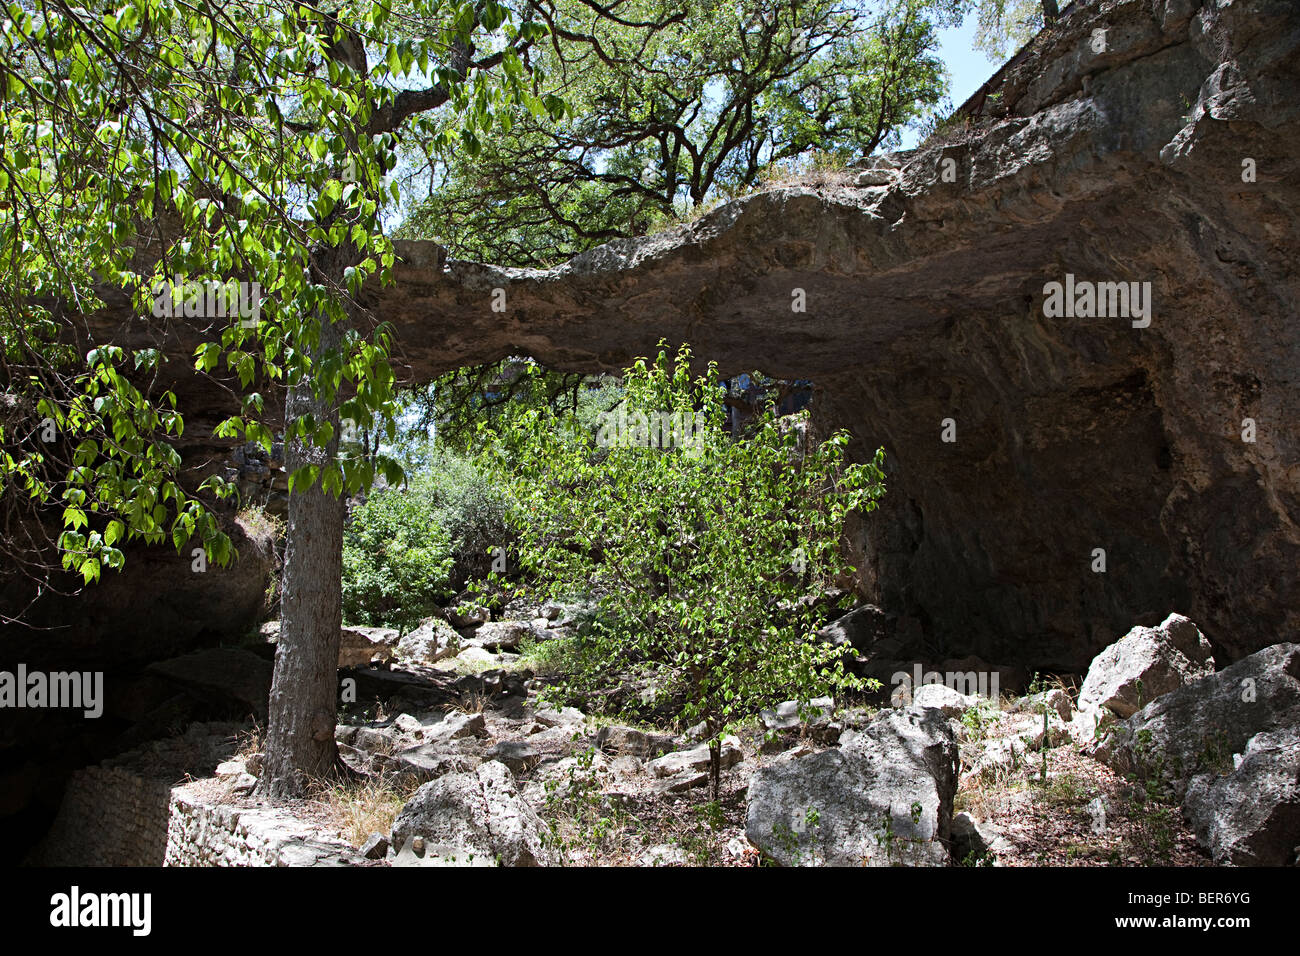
<point>924,302</point>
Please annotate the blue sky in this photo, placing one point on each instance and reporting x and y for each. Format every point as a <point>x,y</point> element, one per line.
<point>968,66</point>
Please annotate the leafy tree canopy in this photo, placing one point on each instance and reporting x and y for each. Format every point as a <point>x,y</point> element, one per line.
<point>150,143</point>
<point>1006,25</point>
<point>671,103</point>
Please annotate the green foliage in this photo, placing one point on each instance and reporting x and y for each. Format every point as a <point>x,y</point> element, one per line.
<point>1066,789</point>
<point>672,104</point>
<point>1006,25</point>
<point>696,553</point>
<point>793,840</point>
<point>410,548</point>
<point>976,719</point>
<point>578,815</point>
<point>469,505</point>
<point>153,141</point>
<point>397,561</point>
<point>456,404</point>
<point>1154,814</point>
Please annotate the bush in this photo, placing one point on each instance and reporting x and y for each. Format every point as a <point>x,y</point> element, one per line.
<point>397,561</point>
<point>466,503</point>
<point>696,550</point>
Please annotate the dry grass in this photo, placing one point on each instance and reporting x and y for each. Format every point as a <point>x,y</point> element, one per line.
<point>822,171</point>
<point>360,808</point>
<point>992,792</point>
<point>249,742</point>
<point>819,171</point>
<point>258,523</point>
<point>472,703</point>
<point>592,828</point>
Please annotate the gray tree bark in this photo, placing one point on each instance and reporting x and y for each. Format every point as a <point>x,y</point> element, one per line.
<point>303,706</point>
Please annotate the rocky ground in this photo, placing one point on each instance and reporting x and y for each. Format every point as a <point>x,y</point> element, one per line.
<point>458,760</point>
<point>1085,814</point>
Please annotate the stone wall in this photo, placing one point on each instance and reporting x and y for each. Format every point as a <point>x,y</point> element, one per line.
<point>144,808</point>
<point>110,816</point>
<point>203,833</point>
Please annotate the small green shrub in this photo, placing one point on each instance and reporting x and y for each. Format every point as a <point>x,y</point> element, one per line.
<point>397,561</point>
<point>695,551</point>
<point>469,506</point>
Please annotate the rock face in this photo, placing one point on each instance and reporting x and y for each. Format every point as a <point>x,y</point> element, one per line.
<point>1228,747</point>
<point>883,798</point>
<point>464,817</point>
<point>362,646</point>
<point>433,640</point>
<point>1145,664</point>
<point>158,606</point>
<point>225,676</point>
<point>1168,153</point>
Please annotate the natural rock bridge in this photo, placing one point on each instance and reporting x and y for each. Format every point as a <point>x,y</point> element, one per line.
<point>1145,141</point>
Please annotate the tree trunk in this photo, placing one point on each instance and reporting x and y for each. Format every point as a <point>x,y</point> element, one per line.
<point>303,706</point>
<point>715,767</point>
<point>1051,13</point>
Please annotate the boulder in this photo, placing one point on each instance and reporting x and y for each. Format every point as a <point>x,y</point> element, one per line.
<point>883,798</point>
<point>425,763</point>
<point>407,724</point>
<point>681,782</point>
<point>616,740</point>
<point>946,700</point>
<point>974,841</point>
<point>1251,816</point>
<point>498,636</point>
<point>362,646</point>
<point>467,615</point>
<point>420,852</point>
<point>1228,748</point>
<point>1144,664</point>
<point>519,755</point>
<point>372,740</point>
<point>1056,700</point>
<point>696,759</point>
<point>564,775</point>
<point>569,718</point>
<point>863,629</point>
<point>665,854</point>
<point>786,714</point>
<point>877,177</point>
<point>453,726</point>
<point>492,683</point>
<point>474,817</point>
<point>375,847</point>
<point>433,640</point>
